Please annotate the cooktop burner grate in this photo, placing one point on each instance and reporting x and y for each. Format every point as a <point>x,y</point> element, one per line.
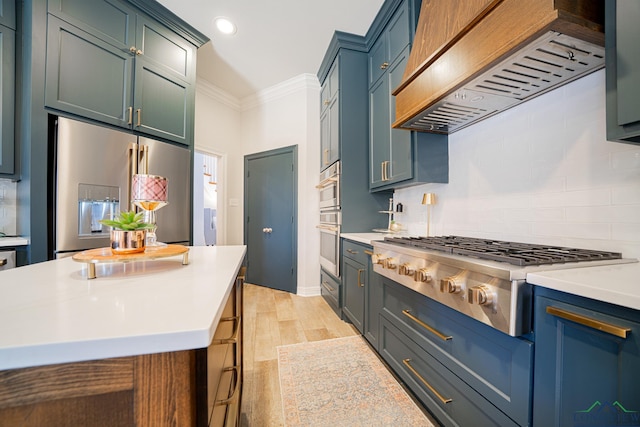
<point>521,254</point>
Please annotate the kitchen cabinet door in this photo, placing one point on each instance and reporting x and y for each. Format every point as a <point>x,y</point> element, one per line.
<point>112,63</point>
<point>86,76</point>
<point>354,279</point>
<point>7,98</point>
<point>585,374</point>
<point>8,13</point>
<point>622,71</point>
<point>330,118</point>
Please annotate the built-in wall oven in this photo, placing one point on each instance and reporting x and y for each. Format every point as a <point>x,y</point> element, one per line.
<point>330,241</point>
<point>330,219</point>
<point>329,187</point>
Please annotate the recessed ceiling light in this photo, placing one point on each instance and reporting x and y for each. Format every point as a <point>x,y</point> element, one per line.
<point>224,25</point>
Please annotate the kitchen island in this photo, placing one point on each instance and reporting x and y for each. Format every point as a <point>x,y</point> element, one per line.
<point>122,349</point>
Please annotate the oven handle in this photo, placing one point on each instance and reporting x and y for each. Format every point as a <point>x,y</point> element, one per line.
<point>589,322</point>
<point>328,228</point>
<point>327,182</point>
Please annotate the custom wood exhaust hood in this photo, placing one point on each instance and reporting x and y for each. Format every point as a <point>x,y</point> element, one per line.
<point>474,58</point>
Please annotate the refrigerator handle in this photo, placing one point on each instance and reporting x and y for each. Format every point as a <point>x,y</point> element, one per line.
<point>133,169</point>
<point>143,162</point>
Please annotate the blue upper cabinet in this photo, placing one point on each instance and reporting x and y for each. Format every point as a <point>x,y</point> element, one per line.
<point>329,118</point>
<point>398,158</point>
<point>7,88</point>
<point>108,61</point>
<point>622,70</point>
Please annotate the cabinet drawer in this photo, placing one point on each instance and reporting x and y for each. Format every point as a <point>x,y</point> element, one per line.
<point>330,290</point>
<point>496,365</point>
<point>356,251</point>
<point>450,399</point>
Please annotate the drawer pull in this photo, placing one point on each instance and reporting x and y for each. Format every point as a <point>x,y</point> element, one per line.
<point>3,261</point>
<point>351,251</point>
<point>442,399</point>
<point>327,287</point>
<point>234,336</point>
<point>368,252</point>
<point>437,333</point>
<point>233,396</point>
<point>360,283</point>
<point>589,322</point>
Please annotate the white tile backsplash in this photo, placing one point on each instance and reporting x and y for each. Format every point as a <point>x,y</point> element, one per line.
<point>8,195</point>
<point>542,172</point>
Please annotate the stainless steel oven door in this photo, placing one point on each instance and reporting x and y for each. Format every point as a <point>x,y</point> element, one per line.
<point>329,187</point>
<point>330,248</point>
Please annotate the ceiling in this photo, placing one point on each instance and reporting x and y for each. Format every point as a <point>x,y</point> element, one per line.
<point>276,39</point>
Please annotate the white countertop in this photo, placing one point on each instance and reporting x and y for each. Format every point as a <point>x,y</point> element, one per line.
<point>366,238</point>
<point>51,313</point>
<point>13,241</point>
<point>617,284</point>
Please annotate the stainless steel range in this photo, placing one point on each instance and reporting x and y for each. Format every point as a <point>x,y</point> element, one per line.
<point>482,278</point>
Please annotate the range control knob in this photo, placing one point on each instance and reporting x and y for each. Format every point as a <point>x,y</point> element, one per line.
<point>376,259</point>
<point>422,275</point>
<point>390,263</point>
<point>481,295</point>
<point>450,285</point>
<point>406,269</point>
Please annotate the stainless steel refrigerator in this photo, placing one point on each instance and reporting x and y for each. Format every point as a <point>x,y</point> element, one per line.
<point>94,166</point>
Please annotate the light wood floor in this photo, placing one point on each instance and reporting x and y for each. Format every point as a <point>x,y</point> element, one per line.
<point>273,318</point>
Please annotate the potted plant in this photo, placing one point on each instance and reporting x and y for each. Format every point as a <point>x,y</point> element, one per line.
<point>128,232</point>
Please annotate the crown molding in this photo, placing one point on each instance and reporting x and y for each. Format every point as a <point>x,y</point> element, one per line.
<point>212,91</point>
<point>280,90</point>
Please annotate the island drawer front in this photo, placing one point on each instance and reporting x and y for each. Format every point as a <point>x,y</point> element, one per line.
<point>497,365</point>
<point>450,399</point>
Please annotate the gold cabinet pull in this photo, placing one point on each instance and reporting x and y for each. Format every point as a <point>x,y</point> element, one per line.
<point>3,261</point>
<point>589,322</point>
<point>360,271</point>
<point>437,333</point>
<point>326,156</point>
<point>326,102</point>
<point>132,49</point>
<point>234,336</point>
<point>351,251</point>
<point>327,287</point>
<point>442,399</point>
<point>368,252</point>
<point>139,116</point>
<point>384,65</point>
<point>234,394</point>
<point>130,114</point>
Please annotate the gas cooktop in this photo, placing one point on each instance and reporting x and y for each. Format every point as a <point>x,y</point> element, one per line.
<point>520,254</point>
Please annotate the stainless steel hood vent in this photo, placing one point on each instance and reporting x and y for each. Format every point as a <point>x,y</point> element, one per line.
<point>546,63</point>
<point>473,58</point>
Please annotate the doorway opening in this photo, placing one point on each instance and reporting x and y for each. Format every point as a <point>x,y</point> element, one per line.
<point>206,195</point>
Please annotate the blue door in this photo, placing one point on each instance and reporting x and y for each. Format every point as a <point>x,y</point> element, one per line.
<point>270,232</point>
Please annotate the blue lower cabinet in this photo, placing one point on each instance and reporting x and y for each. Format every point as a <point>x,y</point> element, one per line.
<point>587,362</point>
<point>447,397</point>
<point>488,373</point>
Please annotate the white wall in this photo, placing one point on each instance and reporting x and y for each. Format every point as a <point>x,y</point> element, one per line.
<point>217,131</point>
<point>542,172</point>
<point>284,115</point>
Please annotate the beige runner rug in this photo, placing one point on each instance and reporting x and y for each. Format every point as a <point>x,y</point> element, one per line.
<point>341,382</point>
